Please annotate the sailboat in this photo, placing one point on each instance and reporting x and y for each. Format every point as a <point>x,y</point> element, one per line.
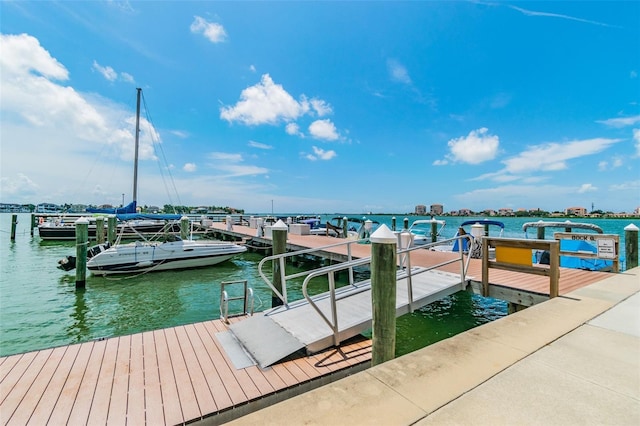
<point>165,251</point>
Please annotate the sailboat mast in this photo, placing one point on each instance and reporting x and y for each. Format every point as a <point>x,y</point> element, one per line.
<point>135,160</point>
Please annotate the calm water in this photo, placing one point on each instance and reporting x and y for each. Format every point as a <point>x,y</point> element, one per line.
<point>40,307</point>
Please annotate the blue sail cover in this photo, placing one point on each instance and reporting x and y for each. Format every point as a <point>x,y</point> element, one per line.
<point>129,208</point>
<point>578,263</point>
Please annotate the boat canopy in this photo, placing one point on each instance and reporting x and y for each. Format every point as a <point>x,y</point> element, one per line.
<point>565,224</point>
<point>129,208</point>
<point>148,216</point>
<point>484,222</point>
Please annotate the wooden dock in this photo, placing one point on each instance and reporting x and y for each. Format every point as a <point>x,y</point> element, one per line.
<point>184,374</point>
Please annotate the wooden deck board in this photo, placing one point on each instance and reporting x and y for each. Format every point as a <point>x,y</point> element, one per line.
<point>168,383</point>
<point>69,393</point>
<point>184,381</point>
<point>120,387</point>
<point>82,405</point>
<point>201,390</point>
<point>216,387</point>
<point>135,393</point>
<point>102,396</point>
<point>154,406</point>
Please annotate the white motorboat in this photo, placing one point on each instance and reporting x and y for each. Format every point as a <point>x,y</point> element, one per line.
<point>422,231</point>
<point>149,256</point>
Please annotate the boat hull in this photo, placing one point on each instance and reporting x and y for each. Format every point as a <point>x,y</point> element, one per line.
<point>150,257</point>
<point>65,232</point>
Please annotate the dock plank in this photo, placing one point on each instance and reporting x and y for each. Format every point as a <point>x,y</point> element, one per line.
<point>216,387</point>
<point>82,405</point>
<point>184,381</point>
<point>19,380</point>
<point>207,333</point>
<point>202,392</point>
<point>27,410</point>
<point>117,413</point>
<point>154,407</point>
<point>136,386</point>
<point>52,393</point>
<point>102,396</point>
<point>168,383</point>
<point>69,393</point>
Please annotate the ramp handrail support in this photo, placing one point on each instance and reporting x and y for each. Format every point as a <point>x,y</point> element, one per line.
<point>331,270</point>
<point>284,277</point>
<point>247,298</point>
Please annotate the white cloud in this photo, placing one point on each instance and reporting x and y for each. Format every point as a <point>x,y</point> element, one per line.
<point>111,75</point>
<point>252,68</point>
<point>235,158</point>
<point>265,103</point>
<point>475,148</point>
<point>620,122</point>
<point>554,156</point>
<point>213,31</point>
<point>22,185</point>
<point>321,107</point>
<point>321,154</point>
<point>189,167</point>
<point>636,139</point>
<point>440,163</point>
<point>323,129</point>
<point>259,145</point>
<point>107,72</point>
<point>293,129</point>
<point>586,187</point>
<point>398,72</point>
<point>22,54</point>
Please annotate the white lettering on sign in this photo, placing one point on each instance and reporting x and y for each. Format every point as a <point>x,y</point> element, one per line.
<point>606,248</point>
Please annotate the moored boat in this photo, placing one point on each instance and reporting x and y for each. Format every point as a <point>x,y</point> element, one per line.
<point>425,231</point>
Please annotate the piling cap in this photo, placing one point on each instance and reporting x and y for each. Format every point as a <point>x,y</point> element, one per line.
<point>82,220</point>
<point>279,226</point>
<point>631,227</point>
<point>384,235</point>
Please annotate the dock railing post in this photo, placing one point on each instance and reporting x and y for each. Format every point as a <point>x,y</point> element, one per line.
<point>631,246</point>
<point>82,238</point>
<point>383,295</point>
<point>279,238</point>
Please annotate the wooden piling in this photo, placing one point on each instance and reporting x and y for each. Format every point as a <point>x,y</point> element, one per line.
<point>184,227</point>
<point>82,239</point>
<point>345,228</point>
<point>112,227</point>
<point>393,223</point>
<point>279,239</point>
<point>406,223</point>
<point>34,223</point>
<point>14,223</point>
<point>541,233</point>
<point>631,246</point>
<point>434,231</point>
<point>383,295</point>
<point>100,230</point>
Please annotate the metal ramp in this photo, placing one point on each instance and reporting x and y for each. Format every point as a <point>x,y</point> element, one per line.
<point>281,331</point>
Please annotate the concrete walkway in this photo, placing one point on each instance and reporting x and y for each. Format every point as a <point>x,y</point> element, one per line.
<point>573,360</point>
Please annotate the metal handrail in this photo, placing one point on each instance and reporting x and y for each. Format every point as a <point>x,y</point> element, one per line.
<point>283,277</point>
<point>331,270</point>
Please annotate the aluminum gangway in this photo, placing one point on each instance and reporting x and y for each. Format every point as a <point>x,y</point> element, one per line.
<point>316,322</point>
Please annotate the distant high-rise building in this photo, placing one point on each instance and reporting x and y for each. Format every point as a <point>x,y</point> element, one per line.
<point>437,209</point>
<point>421,209</point>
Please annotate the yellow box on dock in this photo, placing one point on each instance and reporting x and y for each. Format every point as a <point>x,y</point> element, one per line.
<point>514,255</point>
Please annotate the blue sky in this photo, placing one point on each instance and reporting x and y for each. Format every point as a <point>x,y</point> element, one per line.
<point>320,107</point>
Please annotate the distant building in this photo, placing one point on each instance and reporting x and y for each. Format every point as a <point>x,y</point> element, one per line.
<point>437,209</point>
<point>421,209</point>
<point>48,208</point>
<point>576,211</point>
<point>464,212</point>
<point>505,212</point>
